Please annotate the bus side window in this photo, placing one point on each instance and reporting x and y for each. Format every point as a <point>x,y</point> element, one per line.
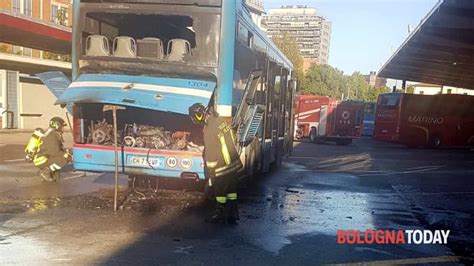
<point>250,40</point>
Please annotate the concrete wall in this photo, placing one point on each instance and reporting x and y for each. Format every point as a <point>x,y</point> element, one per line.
<point>454,90</point>
<point>37,106</point>
<point>431,90</point>
<point>6,4</point>
<point>427,90</point>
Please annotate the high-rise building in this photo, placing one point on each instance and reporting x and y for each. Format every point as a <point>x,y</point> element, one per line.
<point>256,10</point>
<point>311,31</point>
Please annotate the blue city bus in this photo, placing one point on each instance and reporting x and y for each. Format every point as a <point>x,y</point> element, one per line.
<point>369,119</point>
<point>153,59</point>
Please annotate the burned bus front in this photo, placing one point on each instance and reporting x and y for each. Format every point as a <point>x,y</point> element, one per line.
<point>151,61</point>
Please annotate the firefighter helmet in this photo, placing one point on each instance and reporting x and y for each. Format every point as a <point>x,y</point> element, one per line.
<point>57,122</point>
<point>198,113</point>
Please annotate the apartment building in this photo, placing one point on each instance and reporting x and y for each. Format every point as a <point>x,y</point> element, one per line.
<point>311,31</point>
<point>55,11</point>
<point>375,80</point>
<point>25,102</point>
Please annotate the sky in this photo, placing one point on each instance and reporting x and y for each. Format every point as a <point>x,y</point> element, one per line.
<point>365,33</point>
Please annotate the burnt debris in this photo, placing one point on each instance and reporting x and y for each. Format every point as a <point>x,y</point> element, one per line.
<point>141,136</point>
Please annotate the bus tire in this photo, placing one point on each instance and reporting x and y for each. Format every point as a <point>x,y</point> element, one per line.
<point>312,135</point>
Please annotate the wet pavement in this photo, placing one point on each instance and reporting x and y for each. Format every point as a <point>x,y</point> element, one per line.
<point>288,216</point>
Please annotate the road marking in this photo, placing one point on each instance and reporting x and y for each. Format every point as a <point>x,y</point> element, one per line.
<point>14,160</point>
<point>407,261</point>
<point>74,176</point>
<point>370,172</point>
<point>349,157</point>
<point>61,259</point>
<point>439,193</point>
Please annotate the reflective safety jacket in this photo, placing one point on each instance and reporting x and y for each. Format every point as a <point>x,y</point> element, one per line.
<point>220,154</point>
<point>51,146</point>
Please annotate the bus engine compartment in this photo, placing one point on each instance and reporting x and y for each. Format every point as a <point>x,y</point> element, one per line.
<point>136,128</point>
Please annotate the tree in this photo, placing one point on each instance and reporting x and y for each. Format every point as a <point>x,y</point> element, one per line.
<point>4,48</point>
<point>411,89</point>
<point>328,81</point>
<point>358,88</point>
<point>289,47</point>
<point>56,57</point>
<point>61,16</point>
<point>373,94</point>
<point>324,80</point>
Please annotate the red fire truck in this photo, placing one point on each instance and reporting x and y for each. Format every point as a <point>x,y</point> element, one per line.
<point>442,120</point>
<point>321,118</point>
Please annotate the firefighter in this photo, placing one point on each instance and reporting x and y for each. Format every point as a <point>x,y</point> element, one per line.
<point>221,160</point>
<point>51,156</point>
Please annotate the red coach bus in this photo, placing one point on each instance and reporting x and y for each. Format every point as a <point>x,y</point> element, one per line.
<point>442,120</point>
<point>387,116</point>
<point>321,118</point>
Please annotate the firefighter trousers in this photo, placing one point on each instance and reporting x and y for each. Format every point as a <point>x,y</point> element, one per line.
<point>225,188</point>
<point>54,163</point>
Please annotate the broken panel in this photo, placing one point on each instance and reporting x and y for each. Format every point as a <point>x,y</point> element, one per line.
<point>140,128</point>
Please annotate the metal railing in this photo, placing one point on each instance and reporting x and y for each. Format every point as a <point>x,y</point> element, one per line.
<point>12,116</point>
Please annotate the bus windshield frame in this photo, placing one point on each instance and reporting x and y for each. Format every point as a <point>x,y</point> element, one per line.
<point>389,101</point>
<point>200,25</point>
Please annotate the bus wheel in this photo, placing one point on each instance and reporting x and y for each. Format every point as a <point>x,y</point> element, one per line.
<point>435,142</point>
<point>312,135</point>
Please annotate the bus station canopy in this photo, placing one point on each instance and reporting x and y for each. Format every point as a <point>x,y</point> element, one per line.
<point>440,50</point>
<point>18,29</point>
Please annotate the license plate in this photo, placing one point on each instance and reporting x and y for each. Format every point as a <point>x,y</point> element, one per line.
<point>146,162</point>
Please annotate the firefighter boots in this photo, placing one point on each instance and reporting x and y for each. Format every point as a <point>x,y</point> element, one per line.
<point>46,174</point>
<point>232,212</point>
<point>218,214</point>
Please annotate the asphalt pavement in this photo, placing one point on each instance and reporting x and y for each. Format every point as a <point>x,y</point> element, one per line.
<point>289,216</point>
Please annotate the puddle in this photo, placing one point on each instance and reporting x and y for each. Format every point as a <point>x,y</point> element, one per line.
<point>22,250</point>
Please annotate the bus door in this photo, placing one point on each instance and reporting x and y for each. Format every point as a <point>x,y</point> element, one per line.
<point>272,115</point>
<point>323,114</point>
<point>277,90</point>
<point>280,144</point>
<point>291,109</point>
<point>269,122</point>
